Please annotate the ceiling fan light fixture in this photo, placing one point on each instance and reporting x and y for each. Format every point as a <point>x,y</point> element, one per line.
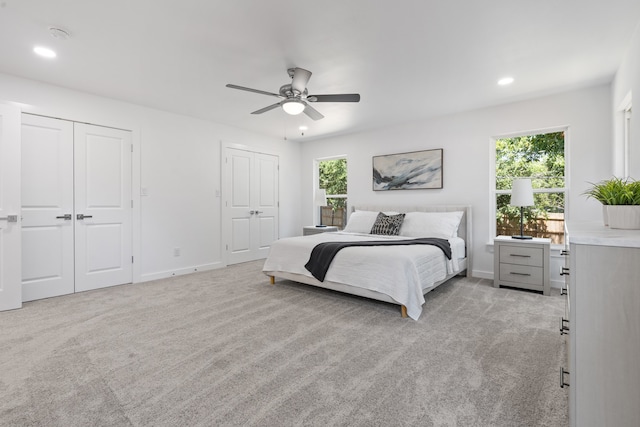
<point>45,52</point>
<point>293,106</point>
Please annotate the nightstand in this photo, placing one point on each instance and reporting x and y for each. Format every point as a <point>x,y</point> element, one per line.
<point>521,263</point>
<point>312,229</point>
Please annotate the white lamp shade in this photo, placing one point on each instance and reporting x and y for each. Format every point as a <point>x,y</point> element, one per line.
<point>320,198</point>
<point>293,107</point>
<point>521,192</point>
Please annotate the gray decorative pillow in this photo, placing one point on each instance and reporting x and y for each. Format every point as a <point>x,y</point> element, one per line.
<point>388,225</point>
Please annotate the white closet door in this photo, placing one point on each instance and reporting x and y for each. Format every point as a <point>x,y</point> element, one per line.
<point>250,221</point>
<point>239,174</point>
<point>266,203</point>
<point>10,243</point>
<point>102,206</point>
<point>47,207</point>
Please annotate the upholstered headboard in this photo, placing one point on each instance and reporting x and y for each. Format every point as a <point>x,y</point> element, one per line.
<point>464,230</point>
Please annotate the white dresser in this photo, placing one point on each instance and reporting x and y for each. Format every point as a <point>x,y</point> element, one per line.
<point>603,287</point>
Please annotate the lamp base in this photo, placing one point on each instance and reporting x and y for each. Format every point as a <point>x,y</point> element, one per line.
<point>522,237</point>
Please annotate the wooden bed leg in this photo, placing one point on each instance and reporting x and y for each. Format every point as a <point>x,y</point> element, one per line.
<point>403,311</point>
<point>272,280</point>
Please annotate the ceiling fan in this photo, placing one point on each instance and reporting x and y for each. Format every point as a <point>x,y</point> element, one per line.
<point>295,96</point>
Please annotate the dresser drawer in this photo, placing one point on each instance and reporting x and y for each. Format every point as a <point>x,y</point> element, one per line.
<point>522,274</point>
<point>521,255</point>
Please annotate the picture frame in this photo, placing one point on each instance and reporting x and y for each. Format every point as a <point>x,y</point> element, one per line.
<point>415,170</point>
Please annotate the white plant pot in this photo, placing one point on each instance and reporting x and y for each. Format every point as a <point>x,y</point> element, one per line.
<point>626,217</point>
<point>605,215</point>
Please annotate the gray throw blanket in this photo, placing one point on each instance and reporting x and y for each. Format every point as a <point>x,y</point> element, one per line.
<point>323,253</point>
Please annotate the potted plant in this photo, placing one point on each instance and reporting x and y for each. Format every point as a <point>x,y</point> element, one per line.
<point>620,199</point>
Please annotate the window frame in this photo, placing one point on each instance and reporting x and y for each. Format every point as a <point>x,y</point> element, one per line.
<point>317,217</point>
<point>493,193</point>
<point>627,137</point>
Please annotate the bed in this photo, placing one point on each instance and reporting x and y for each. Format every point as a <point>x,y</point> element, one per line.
<point>396,274</point>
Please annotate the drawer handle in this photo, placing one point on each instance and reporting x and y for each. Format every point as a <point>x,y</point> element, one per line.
<point>565,271</point>
<point>519,274</point>
<point>564,252</point>
<point>563,291</point>
<point>563,372</point>
<point>521,256</point>
<point>564,328</point>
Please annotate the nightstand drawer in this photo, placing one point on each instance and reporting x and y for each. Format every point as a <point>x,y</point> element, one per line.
<point>522,274</point>
<point>521,255</point>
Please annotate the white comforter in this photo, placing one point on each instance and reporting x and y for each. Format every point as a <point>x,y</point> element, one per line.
<point>403,273</point>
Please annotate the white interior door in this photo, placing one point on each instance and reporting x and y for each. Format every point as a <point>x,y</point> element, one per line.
<point>251,204</point>
<point>266,213</point>
<point>103,209</point>
<point>239,172</point>
<point>47,207</point>
<point>10,241</point>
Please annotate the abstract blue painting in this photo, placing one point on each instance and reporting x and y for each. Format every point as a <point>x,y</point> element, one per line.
<point>408,171</point>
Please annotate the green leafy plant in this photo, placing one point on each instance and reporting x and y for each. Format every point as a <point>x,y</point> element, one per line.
<point>615,191</point>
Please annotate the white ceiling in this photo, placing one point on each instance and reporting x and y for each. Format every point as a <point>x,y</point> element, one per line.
<point>408,59</point>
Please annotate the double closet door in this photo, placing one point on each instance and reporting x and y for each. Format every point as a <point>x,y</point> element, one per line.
<point>76,207</point>
<point>251,204</point>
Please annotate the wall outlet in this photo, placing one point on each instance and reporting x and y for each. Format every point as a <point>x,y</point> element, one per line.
<point>176,251</point>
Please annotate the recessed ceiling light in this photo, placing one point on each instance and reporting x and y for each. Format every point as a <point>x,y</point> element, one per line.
<point>44,52</point>
<point>505,81</point>
<point>303,127</point>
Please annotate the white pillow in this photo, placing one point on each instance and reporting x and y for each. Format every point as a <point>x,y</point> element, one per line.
<point>362,221</point>
<point>431,224</point>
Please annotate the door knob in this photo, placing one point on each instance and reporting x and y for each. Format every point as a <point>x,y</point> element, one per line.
<point>258,212</point>
<point>10,218</point>
<point>83,216</point>
<point>65,217</point>
<point>252,212</point>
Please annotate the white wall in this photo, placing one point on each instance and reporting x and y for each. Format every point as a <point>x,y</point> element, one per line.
<point>627,82</point>
<point>177,159</point>
<point>465,139</point>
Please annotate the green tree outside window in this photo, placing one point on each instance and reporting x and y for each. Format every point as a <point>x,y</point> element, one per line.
<point>541,158</point>
<point>333,178</point>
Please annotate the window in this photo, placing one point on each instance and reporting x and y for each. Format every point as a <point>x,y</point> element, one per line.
<point>540,157</point>
<point>627,138</point>
<point>332,177</point>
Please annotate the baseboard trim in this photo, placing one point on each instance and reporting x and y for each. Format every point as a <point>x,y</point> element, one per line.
<point>180,272</point>
<point>482,274</point>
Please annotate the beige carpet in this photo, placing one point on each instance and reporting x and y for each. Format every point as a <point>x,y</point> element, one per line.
<point>226,348</point>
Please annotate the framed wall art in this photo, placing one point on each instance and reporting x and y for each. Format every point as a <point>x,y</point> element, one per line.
<point>408,171</point>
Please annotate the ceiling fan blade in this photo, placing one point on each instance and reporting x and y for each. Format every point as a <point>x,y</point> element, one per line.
<point>312,112</point>
<point>248,89</point>
<point>300,79</point>
<point>345,97</point>
<point>265,109</point>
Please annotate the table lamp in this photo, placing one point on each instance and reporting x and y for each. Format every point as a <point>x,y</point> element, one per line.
<point>521,195</point>
<point>320,200</point>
